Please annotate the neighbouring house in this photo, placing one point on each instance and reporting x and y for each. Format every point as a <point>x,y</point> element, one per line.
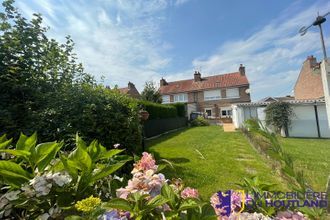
<point>308,104</point>
<point>309,82</point>
<point>130,90</point>
<point>212,95</point>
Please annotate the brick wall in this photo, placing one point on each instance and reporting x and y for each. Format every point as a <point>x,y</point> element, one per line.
<point>309,82</point>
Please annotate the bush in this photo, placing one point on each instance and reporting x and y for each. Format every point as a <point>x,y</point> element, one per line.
<point>181,109</point>
<point>157,111</point>
<point>278,114</point>
<point>199,121</point>
<point>35,182</point>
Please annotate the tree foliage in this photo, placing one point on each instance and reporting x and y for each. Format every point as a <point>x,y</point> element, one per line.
<point>150,93</point>
<point>43,88</point>
<point>279,114</point>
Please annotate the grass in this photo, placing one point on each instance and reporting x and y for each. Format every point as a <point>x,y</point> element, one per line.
<point>313,157</point>
<point>211,160</point>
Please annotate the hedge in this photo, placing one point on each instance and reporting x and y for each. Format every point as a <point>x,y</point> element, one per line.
<point>93,111</point>
<point>158,111</point>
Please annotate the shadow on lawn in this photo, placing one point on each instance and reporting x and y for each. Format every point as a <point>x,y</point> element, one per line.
<point>165,137</point>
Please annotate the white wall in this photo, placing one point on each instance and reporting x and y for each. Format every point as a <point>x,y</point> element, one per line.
<point>303,123</point>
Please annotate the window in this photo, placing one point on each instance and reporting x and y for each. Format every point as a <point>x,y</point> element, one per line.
<point>226,112</point>
<point>208,112</point>
<point>182,97</point>
<point>166,99</point>
<point>212,95</point>
<point>232,93</point>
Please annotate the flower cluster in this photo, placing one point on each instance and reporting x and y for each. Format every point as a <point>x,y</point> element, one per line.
<point>189,193</point>
<point>144,180</point>
<point>289,215</point>
<point>41,185</point>
<point>88,205</point>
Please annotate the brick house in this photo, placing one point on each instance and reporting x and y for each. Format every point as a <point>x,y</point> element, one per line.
<point>212,95</point>
<point>130,90</point>
<point>309,82</point>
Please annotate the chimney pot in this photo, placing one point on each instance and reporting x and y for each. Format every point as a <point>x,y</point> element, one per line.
<point>163,82</point>
<point>242,69</point>
<point>197,76</point>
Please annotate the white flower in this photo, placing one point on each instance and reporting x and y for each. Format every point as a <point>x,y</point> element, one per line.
<point>54,211</point>
<point>28,191</point>
<point>115,177</point>
<point>44,216</point>
<point>3,202</point>
<point>61,179</point>
<point>41,185</point>
<point>12,195</point>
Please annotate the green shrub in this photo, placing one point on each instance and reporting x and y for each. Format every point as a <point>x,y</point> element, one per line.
<point>39,178</point>
<point>279,114</point>
<point>199,121</point>
<point>157,111</point>
<point>181,109</point>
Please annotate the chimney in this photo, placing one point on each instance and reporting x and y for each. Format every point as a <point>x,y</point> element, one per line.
<point>241,70</point>
<point>130,85</point>
<point>312,61</point>
<point>163,82</point>
<point>197,76</point>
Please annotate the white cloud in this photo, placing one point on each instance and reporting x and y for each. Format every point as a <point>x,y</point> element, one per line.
<point>116,39</point>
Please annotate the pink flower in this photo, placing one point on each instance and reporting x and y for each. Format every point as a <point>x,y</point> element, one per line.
<point>147,162</point>
<point>189,193</point>
<point>289,215</point>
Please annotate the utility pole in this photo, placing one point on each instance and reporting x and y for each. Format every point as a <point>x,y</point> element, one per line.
<point>325,64</point>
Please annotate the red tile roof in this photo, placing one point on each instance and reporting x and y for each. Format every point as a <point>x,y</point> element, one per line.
<point>123,90</point>
<point>210,82</point>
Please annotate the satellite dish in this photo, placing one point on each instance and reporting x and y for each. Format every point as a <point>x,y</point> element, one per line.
<point>247,91</point>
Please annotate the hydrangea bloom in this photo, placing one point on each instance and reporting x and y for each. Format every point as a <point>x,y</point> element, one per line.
<point>146,163</point>
<point>144,178</point>
<point>189,193</point>
<point>289,215</point>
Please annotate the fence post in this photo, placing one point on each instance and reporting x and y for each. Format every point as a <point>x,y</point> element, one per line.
<point>317,121</point>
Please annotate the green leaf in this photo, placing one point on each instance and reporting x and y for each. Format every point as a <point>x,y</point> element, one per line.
<point>5,144</point>
<point>3,138</point>
<point>81,159</point>
<point>45,152</point>
<point>73,217</point>
<point>80,143</point>
<point>188,204</point>
<point>158,200</point>
<point>13,173</point>
<point>94,150</point>
<point>119,203</point>
<point>20,145</point>
<point>69,167</point>
<point>168,193</point>
<point>18,153</point>
<point>107,171</point>
<point>110,153</point>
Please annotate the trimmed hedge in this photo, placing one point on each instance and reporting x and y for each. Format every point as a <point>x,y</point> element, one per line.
<point>157,111</point>
<point>181,109</point>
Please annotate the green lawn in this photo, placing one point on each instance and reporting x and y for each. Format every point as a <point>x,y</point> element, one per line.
<point>312,156</point>
<point>228,158</point>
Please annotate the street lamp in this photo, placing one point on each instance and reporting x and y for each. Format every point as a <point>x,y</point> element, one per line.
<point>325,64</point>
<point>144,115</point>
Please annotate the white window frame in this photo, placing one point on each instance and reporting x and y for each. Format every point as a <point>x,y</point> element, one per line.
<point>167,100</point>
<point>180,97</point>
<point>208,97</point>
<point>227,109</point>
<point>232,97</point>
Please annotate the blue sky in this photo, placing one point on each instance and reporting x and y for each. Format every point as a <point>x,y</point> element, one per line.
<point>140,40</point>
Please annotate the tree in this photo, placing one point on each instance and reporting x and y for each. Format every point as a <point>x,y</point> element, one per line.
<point>278,114</point>
<point>35,71</point>
<point>151,93</point>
